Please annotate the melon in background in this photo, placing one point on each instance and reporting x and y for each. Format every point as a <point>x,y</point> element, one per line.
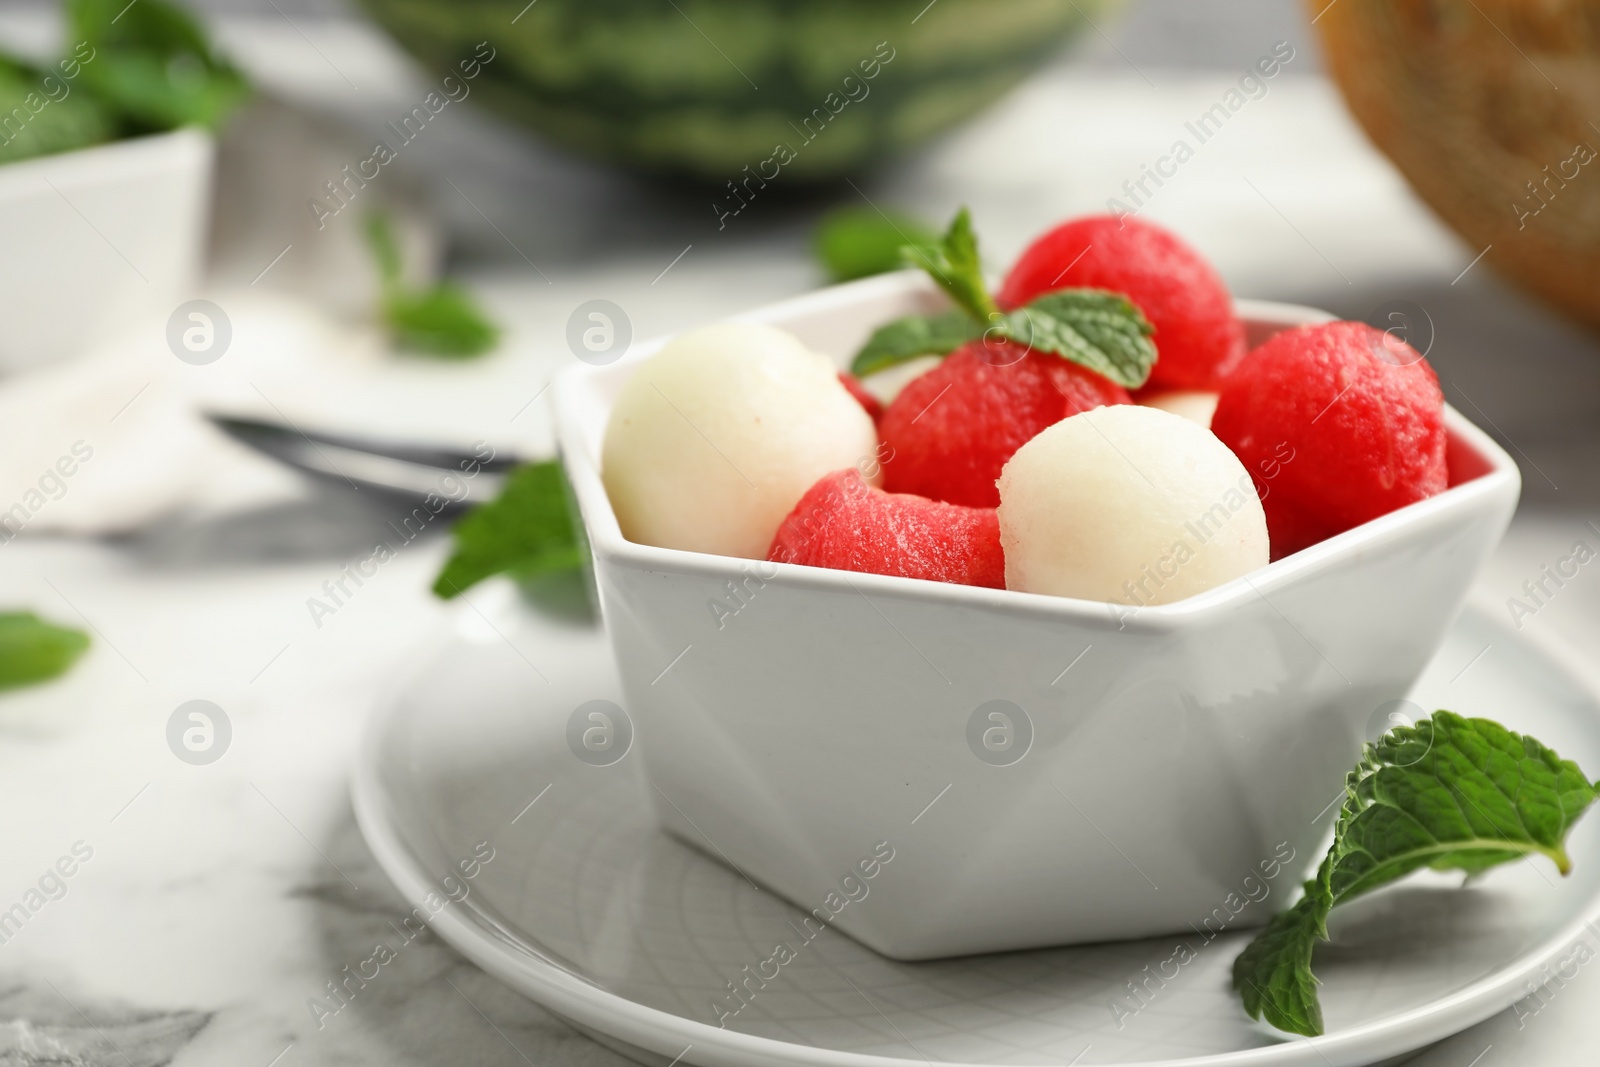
<point>1486,107</point>
<point>706,87</point>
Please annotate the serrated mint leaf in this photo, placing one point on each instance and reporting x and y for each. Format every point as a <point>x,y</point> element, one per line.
<point>1273,973</point>
<point>915,335</point>
<point>1449,793</point>
<point>1099,330</point>
<point>527,532</point>
<point>857,242</point>
<point>953,264</point>
<point>32,650</point>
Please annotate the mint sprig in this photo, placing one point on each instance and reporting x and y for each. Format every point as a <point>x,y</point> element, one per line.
<point>32,650</point>
<point>1449,793</point>
<point>1101,331</point>
<point>154,64</point>
<point>442,321</point>
<point>72,121</point>
<point>954,265</point>
<point>528,531</point>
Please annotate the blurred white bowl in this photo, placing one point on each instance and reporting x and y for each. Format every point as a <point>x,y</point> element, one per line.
<point>96,238</point>
<point>1112,772</point>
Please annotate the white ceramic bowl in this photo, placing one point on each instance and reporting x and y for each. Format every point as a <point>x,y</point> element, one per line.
<point>97,238</point>
<point>1149,769</point>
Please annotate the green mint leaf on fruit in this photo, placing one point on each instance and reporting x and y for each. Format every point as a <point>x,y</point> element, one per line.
<point>442,321</point>
<point>528,531</point>
<point>915,335</point>
<point>953,264</point>
<point>1450,794</point>
<point>857,242</point>
<point>32,650</point>
<point>153,64</point>
<point>1099,330</point>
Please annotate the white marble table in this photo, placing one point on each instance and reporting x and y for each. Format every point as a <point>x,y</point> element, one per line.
<point>219,898</point>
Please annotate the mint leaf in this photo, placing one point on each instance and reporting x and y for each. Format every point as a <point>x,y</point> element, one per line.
<point>54,122</point>
<point>154,65</point>
<point>527,531</point>
<point>1100,330</point>
<point>32,650</point>
<point>1273,973</point>
<point>1449,794</point>
<point>953,264</point>
<point>913,336</point>
<point>857,242</point>
<point>442,321</point>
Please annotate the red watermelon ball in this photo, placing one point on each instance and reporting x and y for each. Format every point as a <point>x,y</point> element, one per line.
<point>844,523</point>
<point>950,431</point>
<point>1197,334</point>
<point>869,403</point>
<point>1338,423</point>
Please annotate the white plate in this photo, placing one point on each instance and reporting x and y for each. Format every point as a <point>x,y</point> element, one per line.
<point>633,936</point>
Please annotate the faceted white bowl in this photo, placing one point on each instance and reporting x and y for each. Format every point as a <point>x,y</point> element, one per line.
<point>1154,766</point>
<point>98,238</point>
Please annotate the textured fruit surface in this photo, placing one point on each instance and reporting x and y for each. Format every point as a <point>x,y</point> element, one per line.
<point>675,90</point>
<point>1431,86</point>
<point>949,432</point>
<point>1338,423</point>
<point>844,523</point>
<point>713,439</point>
<point>1128,504</point>
<point>1197,334</point>
<point>869,403</point>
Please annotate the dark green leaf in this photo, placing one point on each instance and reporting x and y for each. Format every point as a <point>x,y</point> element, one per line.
<point>154,65</point>
<point>1273,973</point>
<point>1096,329</point>
<point>913,336</point>
<point>1448,793</point>
<point>857,242</point>
<point>32,650</point>
<point>527,531</point>
<point>43,114</point>
<point>953,264</point>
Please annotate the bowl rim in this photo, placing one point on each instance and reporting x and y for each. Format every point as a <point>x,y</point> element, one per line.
<point>108,162</point>
<point>1501,477</point>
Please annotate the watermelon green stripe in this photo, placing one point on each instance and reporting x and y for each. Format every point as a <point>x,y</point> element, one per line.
<point>704,87</point>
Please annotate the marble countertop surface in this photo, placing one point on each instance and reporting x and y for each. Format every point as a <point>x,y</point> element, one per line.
<point>207,904</point>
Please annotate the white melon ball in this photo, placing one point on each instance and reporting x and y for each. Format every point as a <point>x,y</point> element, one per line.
<point>1196,405</point>
<point>1128,504</point>
<point>715,438</point>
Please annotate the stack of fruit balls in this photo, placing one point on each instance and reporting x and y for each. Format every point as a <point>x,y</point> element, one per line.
<point>1012,466</point>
